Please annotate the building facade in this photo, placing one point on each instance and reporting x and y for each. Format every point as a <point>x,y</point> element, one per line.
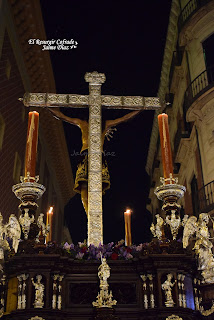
<point>26,68</point>
<point>187,83</point>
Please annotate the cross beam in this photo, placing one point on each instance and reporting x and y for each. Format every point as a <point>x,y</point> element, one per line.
<point>82,101</point>
<point>94,101</point>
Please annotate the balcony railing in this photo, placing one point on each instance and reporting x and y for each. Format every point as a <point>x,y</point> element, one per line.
<point>191,7</point>
<point>206,197</point>
<point>198,86</point>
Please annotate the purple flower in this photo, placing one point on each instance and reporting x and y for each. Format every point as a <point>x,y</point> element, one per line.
<point>129,256</point>
<point>139,247</point>
<point>67,246</point>
<point>80,255</point>
<point>81,244</point>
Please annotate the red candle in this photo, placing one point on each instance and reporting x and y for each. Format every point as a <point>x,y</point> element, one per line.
<point>31,145</point>
<point>165,147</point>
<point>49,221</point>
<point>128,235</point>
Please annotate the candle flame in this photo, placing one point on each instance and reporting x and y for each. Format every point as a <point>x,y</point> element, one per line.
<point>50,210</point>
<point>128,211</point>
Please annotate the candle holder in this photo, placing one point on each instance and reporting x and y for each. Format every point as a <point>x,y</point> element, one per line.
<point>169,192</point>
<point>28,192</point>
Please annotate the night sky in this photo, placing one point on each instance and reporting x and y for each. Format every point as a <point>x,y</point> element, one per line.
<point>125,40</point>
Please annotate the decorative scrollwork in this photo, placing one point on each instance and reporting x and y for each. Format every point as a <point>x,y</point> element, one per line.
<point>208,312</point>
<point>95,77</point>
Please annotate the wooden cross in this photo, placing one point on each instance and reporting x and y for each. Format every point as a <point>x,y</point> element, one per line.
<point>94,101</point>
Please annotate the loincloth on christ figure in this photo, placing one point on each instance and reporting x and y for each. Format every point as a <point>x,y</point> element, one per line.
<point>82,173</point>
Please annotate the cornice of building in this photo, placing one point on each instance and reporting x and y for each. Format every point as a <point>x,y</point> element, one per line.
<point>27,17</point>
<point>28,22</point>
<point>164,79</point>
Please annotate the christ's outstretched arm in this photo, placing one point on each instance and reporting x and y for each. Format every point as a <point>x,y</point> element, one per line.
<point>112,123</point>
<point>59,115</point>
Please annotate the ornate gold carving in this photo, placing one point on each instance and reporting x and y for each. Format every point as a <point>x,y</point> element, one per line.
<point>152,102</point>
<point>157,230</point>
<point>25,221</point>
<point>42,225</point>
<point>39,292</point>
<point>167,288</point>
<point>170,190</point>
<point>13,231</point>
<point>111,101</point>
<point>104,298</point>
<point>36,318</point>
<point>95,123</point>
<point>78,99</point>
<point>173,317</point>
<point>145,296</point>
<point>95,162</point>
<point>208,312</point>
<point>203,246</point>
<point>133,101</point>
<point>25,188</point>
<point>174,221</point>
<point>22,291</point>
<point>95,77</point>
<point>95,224</point>
<point>117,102</point>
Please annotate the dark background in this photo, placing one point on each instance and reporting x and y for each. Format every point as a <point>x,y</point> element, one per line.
<point>125,40</point>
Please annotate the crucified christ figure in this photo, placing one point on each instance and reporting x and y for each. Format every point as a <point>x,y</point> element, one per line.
<point>81,181</point>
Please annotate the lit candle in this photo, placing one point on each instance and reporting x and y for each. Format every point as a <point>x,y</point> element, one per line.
<point>165,147</point>
<point>49,221</point>
<point>128,235</point>
<point>31,145</point>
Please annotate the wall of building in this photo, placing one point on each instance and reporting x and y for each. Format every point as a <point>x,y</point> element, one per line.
<point>23,69</point>
<point>191,115</point>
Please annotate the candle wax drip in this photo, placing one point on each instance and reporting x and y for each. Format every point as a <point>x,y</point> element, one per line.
<point>164,134</point>
<point>30,136</point>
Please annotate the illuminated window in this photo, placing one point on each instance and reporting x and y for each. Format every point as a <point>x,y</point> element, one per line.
<point>8,69</point>
<point>17,168</point>
<point>2,129</point>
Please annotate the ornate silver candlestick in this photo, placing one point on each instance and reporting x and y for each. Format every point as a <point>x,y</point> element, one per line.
<point>169,192</point>
<point>28,191</point>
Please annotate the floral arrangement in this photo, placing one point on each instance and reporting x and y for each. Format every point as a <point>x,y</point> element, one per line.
<point>111,251</point>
